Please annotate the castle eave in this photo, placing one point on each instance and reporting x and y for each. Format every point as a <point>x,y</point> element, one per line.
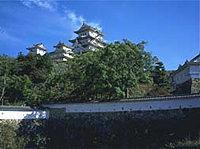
<point>34,47</point>
<point>62,44</point>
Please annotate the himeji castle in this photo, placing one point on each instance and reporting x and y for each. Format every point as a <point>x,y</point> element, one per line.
<point>88,39</point>
<point>37,49</point>
<point>61,52</point>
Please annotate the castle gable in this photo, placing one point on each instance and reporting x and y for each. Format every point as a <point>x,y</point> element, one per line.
<point>196,59</point>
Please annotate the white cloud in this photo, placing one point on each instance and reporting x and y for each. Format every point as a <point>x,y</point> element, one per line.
<point>1,30</point>
<point>77,20</point>
<point>95,24</point>
<point>46,4</point>
<point>73,20</point>
<point>5,36</point>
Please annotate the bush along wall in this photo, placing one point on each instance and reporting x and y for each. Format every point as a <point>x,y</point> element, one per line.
<point>23,134</point>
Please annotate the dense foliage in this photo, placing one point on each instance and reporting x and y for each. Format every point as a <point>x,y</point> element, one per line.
<point>15,134</point>
<point>120,70</point>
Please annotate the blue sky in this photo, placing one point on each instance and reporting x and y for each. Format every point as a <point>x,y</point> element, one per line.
<point>171,28</point>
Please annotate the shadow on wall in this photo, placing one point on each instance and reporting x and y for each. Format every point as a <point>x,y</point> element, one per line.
<point>141,130</point>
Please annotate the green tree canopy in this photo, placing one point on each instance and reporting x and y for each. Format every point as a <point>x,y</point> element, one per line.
<point>117,71</point>
<point>108,73</point>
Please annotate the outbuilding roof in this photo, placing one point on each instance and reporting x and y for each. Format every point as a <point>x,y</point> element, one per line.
<point>60,44</point>
<point>194,61</point>
<point>39,46</point>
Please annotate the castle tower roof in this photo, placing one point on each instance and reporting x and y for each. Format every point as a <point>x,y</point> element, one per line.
<point>86,27</point>
<point>62,44</point>
<point>37,46</point>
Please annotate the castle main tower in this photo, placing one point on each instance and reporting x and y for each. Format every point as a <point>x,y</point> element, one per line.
<point>89,38</point>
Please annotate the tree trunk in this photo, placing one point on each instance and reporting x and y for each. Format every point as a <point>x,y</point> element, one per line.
<point>3,90</point>
<point>126,94</point>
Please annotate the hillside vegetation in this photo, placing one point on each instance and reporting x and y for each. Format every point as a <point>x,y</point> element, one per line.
<point>120,70</point>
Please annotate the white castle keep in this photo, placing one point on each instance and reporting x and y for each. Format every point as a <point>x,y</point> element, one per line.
<point>88,39</point>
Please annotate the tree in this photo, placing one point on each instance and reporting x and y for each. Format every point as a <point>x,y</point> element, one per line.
<point>20,77</point>
<point>35,66</point>
<point>113,72</point>
<point>58,84</point>
<point>6,68</point>
<point>110,72</point>
<point>159,75</point>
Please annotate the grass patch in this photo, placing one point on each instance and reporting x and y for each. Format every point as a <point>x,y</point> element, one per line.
<point>187,143</point>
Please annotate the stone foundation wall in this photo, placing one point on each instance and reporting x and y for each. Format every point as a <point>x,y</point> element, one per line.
<point>57,113</point>
<point>195,88</point>
<point>190,86</point>
<point>184,88</point>
<point>136,129</point>
<point>127,129</point>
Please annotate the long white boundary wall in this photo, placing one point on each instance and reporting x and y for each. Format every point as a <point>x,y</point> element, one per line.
<point>15,114</point>
<point>124,105</point>
<point>193,102</point>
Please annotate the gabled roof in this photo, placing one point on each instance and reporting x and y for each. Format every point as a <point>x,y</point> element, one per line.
<point>60,44</point>
<point>72,40</point>
<point>39,46</point>
<point>86,27</point>
<point>194,61</point>
<point>79,38</point>
<point>196,58</point>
